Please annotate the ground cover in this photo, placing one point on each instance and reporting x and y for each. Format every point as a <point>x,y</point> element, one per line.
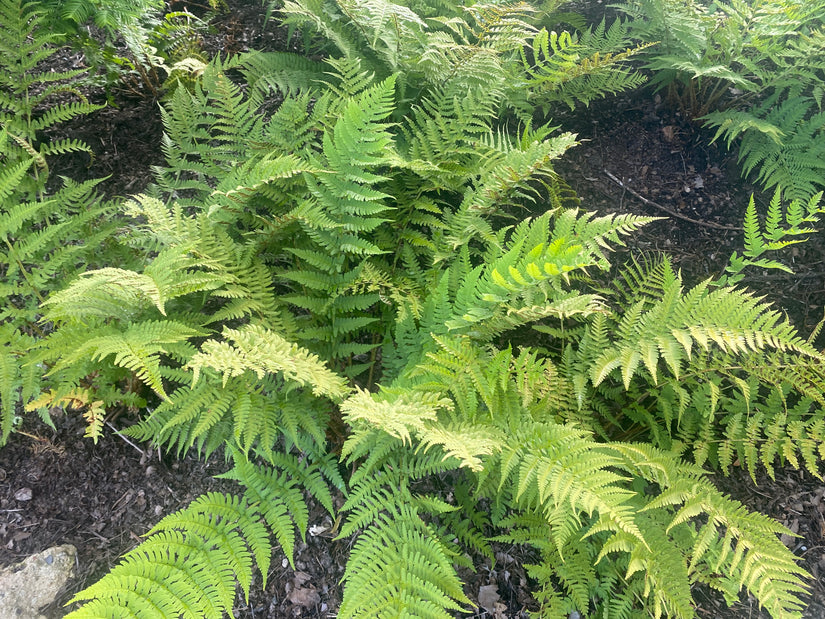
<point>635,153</point>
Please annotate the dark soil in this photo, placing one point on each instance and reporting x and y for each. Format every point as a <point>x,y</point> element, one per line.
<point>102,497</point>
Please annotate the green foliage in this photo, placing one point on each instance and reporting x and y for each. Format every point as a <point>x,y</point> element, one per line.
<point>562,70</point>
<point>47,238</point>
<point>188,565</point>
<point>798,217</point>
<point>359,257</point>
<point>115,18</point>
<point>26,87</point>
<point>453,47</point>
<point>782,138</point>
<point>163,55</point>
<point>750,69</point>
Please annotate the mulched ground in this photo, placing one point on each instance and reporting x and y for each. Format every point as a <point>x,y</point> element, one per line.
<point>636,156</point>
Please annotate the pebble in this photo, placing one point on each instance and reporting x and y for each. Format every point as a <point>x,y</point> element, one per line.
<point>24,494</point>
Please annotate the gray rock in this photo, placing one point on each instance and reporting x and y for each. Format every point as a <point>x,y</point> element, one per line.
<point>28,586</point>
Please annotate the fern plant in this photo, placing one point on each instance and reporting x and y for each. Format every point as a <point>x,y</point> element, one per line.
<point>457,46</point>
<point>47,236</point>
<point>25,88</point>
<point>361,261</point>
<point>749,69</point>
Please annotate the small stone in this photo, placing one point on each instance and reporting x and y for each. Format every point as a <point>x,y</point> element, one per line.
<point>28,586</point>
<point>24,494</point>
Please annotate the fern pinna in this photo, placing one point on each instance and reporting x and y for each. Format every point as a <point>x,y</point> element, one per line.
<point>364,233</point>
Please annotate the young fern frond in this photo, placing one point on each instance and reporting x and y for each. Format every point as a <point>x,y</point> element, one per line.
<point>568,69</point>
<point>798,217</point>
<point>526,280</point>
<point>261,351</point>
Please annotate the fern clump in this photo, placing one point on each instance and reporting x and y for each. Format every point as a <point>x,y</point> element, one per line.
<point>48,237</point>
<point>751,70</point>
<point>342,281</point>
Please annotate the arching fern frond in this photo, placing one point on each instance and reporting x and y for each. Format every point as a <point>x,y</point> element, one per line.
<point>188,565</point>
<point>261,351</point>
<point>526,280</point>
<point>676,322</point>
<point>137,348</point>
<point>278,488</point>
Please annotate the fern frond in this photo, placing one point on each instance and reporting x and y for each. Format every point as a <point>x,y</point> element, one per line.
<point>261,351</point>
<point>137,348</point>
<point>399,565</point>
<point>781,141</point>
<point>278,490</point>
<point>525,281</point>
<point>188,565</point>
<point>676,322</point>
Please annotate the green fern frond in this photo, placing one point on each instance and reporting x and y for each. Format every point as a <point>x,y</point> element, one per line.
<point>781,141</point>
<point>188,565</point>
<point>563,68</point>
<point>775,236</point>
<point>137,348</point>
<point>750,551</point>
<point>399,565</point>
<point>241,412</point>
<point>675,323</point>
<point>284,72</point>
<point>112,292</point>
<point>525,281</point>
<point>278,489</point>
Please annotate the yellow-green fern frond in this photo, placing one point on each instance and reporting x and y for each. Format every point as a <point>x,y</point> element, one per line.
<point>119,293</point>
<point>137,348</point>
<point>400,567</point>
<point>525,281</point>
<point>678,323</point>
<point>261,351</point>
<point>188,566</point>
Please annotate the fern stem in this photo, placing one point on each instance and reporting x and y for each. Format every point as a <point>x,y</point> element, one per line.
<point>13,255</point>
<point>373,356</point>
